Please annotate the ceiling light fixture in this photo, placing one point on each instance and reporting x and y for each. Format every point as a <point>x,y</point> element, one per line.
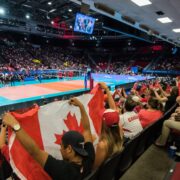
<point>142,2</point>
<point>49,3</point>
<point>27,16</point>
<point>2,11</point>
<point>164,20</point>
<point>70,10</point>
<point>52,10</point>
<point>176,30</point>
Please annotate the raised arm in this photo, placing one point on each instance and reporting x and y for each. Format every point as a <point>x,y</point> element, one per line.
<point>163,92</point>
<point>84,119</point>
<point>161,99</point>
<point>111,102</point>
<point>117,92</point>
<point>27,142</point>
<point>124,93</point>
<point>3,136</point>
<point>177,81</point>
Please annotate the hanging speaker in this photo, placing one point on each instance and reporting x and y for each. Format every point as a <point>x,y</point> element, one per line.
<point>144,27</point>
<point>85,8</point>
<point>104,8</point>
<point>128,19</point>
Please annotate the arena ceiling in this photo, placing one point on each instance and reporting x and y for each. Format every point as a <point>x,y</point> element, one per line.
<point>63,12</point>
<point>54,13</point>
<point>144,17</point>
<point>40,10</point>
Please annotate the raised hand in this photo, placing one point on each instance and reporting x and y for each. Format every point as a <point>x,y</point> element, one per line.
<point>75,102</point>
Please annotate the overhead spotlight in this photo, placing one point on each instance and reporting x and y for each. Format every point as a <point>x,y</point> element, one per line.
<point>70,27</point>
<point>52,10</point>
<point>176,30</point>
<point>142,2</point>
<point>97,19</point>
<point>49,3</point>
<point>70,10</point>
<point>27,16</point>
<point>164,20</point>
<point>2,11</point>
<point>52,22</point>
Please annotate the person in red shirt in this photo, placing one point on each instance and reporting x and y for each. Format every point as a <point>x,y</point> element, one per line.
<point>152,114</point>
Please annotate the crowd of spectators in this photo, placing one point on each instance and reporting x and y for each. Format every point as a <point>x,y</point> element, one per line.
<point>58,58</point>
<point>126,115</point>
<point>24,57</point>
<point>167,64</point>
<point>120,65</point>
<point>39,58</point>
<point>115,66</point>
<point>25,60</point>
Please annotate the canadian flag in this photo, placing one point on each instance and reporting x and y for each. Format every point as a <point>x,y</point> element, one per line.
<point>46,125</point>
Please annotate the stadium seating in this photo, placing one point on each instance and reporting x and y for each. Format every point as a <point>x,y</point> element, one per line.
<point>92,176</point>
<point>108,168</point>
<point>117,165</point>
<point>127,156</point>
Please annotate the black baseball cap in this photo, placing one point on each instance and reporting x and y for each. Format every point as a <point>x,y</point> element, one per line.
<point>76,140</point>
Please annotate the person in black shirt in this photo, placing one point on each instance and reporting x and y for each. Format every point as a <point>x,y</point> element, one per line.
<point>77,150</point>
<point>78,168</point>
<point>171,99</point>
<point>168,99</point>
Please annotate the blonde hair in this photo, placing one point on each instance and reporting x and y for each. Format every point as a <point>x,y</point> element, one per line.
<point>113,138</point>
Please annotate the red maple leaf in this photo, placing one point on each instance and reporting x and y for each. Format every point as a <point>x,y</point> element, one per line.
<point>71,124</point>
<point>59,137</point>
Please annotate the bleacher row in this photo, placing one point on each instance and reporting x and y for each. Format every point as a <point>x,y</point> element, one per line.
<point>116,166</point>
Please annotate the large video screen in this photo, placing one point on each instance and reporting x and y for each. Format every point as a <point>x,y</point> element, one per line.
<point>84,24</point>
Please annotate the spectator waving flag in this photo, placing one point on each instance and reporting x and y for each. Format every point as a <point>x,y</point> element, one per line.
<point>46,125</point>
